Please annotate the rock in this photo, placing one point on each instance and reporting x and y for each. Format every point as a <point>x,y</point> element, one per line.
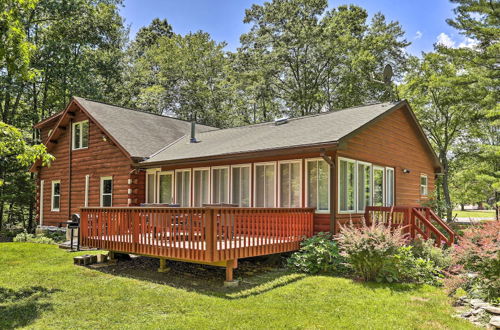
<point>492,309</point>
<point>478,303</point>
<point>495,321</point>
<point>466,314</point>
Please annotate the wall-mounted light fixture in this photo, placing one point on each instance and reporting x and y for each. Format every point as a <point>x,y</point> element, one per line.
<point>406,171</point>
<point>104,138</point>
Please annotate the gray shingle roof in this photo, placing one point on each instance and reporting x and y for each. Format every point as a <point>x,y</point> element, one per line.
<point>140,133</point>
<point>309,130</point>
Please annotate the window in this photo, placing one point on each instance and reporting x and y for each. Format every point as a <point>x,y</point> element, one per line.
<point>183,187</point>
<point>81,135</point>
<point>389,184</point>
<point>151,186</point>
<point>106,191</point>
<point>347,196</point>
<point>240,185</point>
<point>378,186</point>
<point>290,184</point>
<point>56,195</point>
<point>201,187</point>
<point>318,182</point>
<point>165,187</point>
<point>87,185</point>
<point>265,185</point>
<point>364,185</point>
<point>220,185</point>
<point>423,185</point>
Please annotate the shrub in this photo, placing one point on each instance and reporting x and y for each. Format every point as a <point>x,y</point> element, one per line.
<point>426,250</point>
<point>405,266</point>
<point>318,254</point>
<point>25,237</point>
<point>368,249</point>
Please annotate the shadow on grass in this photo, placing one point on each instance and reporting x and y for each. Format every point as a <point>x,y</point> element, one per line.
<point>395,287</point>
<point>19,308</point>
<point>256,276</point>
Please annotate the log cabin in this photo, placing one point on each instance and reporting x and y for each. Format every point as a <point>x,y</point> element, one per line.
<point>159,186</point>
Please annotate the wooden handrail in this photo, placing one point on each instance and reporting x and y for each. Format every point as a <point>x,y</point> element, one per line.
<point>429,226</point>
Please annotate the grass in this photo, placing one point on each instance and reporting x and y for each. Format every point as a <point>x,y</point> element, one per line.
<point>475,214</point>
<point>41,288</point>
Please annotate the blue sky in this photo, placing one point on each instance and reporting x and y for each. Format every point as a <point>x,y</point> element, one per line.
<point>423,20</point>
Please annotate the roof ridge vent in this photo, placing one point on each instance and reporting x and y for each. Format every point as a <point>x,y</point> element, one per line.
<point>280,121</point>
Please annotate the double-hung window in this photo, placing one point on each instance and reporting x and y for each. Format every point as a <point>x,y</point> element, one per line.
<point>80,135</point>
<point>423,185</point>
<point>220,185</point>
<point>56,196</point>
<point>201,186</point>
<point>151,186</point>
<point>364,185</point>
<point>378,186</point>
<point>183,187</point>
<point>347,185</point>
<point>290,183</point>
<point>106,191</point>
<point>240,185</point>
<point>389,183</point>
<point>318,183</point>
<point>265,183</point>
<point>165,187</point>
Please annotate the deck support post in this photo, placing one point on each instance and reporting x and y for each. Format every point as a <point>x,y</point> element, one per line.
<point>163,266</point>
<point>230,265</point>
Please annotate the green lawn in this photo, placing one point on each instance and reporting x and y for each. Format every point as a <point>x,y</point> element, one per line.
<point>41,288</point>
<point>475,214</point>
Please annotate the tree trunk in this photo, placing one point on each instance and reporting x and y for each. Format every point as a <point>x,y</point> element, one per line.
<point>462,207</point>
<point>446,187</point>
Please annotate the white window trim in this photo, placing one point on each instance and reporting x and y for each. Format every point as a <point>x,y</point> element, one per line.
<point>158,174</point>
<point>212,199</point>
<point>73,126</point>
<point>358,162</point>
<point>355,209</point>
<point>249,166</point>
<point>52,196</point>
<point>426,187</point>
<point>307,160</point>
<point>87,185</point>
<point>381,168</point>
<point>199,169</point>
<point>101,194</point>
<point>393,197</point>
<point>255,182</point>
<point>189,186</point>
<point>292,161</point>
<point>151,171</point>
<point>42,185</point>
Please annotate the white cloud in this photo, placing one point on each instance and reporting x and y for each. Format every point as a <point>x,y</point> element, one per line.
<point>418,35</point>
<point>468,43</point>
<point>444,40</point>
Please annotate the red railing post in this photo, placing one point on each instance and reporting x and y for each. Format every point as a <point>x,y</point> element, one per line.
<point>210,232</point>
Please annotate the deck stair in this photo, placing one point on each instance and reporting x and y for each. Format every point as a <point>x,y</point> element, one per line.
<point>417,221</point>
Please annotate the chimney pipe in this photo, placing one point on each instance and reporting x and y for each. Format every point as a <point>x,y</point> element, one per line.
<point>193,132</point>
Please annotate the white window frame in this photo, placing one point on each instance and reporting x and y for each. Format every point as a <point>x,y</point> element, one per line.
<point>249,166</point>
<point>307,160</point>
<point>78,125</point>
<point>101,194</point>
<point>393,197</point>
<point>255,182</point>
<point>42,185</point>
<point>212,199</point>
<point>426,186</point>
<point>356,175</point>
<point>189,186</point>
<point>293,161</point>
<point>157,187</point>
<point>87,185</point>
<point>52,195</point>
<point>150,171</point>
<point>378,167</point>
<point>355,208</point>
<point>199,169</point>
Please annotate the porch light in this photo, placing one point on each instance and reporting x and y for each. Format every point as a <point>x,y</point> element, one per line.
<point>406,171</point>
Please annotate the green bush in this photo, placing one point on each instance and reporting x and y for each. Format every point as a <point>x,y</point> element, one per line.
<point>406,267</point>
<point>57,235</point>
<point>25,237</point>
<point>426,250</point>
<point>318,254</point>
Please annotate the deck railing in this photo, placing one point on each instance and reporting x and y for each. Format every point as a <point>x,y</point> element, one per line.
<point>206,234</point>
<point>416,221</point>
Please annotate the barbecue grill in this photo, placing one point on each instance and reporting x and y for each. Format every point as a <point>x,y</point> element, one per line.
<point>73,224</point>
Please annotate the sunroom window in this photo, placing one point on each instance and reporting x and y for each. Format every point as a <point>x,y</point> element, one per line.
<point>290,185</point>
<point>240,188</point>
<point>182,187</point>
<point>318,180</point>
<point>80,135</point>
<point>265,185</point>
<point>378,186</point>
<point>364,185</point>
<point>150,187</point>
<point>220,185</point>
<point>389,183</point>
<point>201,187</point>
<point>166,187</point>
<point>347,195</point>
